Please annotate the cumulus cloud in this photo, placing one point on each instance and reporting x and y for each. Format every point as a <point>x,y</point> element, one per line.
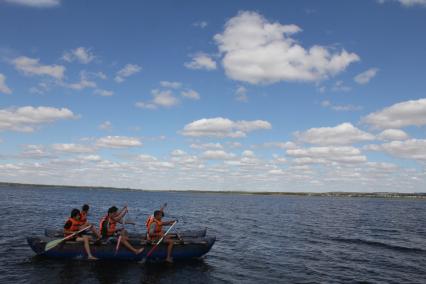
<point>31,66</point>
<point>223,127</point>
<point>409,149</point>
<point>191,94</point>
<point>106,125</point>
<point>84,83</point>
<point>399,115</point>
<point>118,142</point>
<point>205,146</point>
<point>241,94</point>
<point>27,118</point>
<point>342,134</point>
<point>36,3</point>
<point>80,54</point>
<point>392,135</point>
<point>3,87</point>
<point>407,3</point>
<point>339,154</point>
<point>201,61</point>
<point>160,99</point>
<point>72,148</point>
<point>200,24</point>
<point>127,71</point>
<point>104,93</point>
<point>328,104</point>
<point>260,52</point>
<point>366,76</point>
<point>217,155</point>
<point>35,152</point>
<point>171,85</point>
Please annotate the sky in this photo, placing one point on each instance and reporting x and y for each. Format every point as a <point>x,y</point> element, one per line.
<point>309,96</point>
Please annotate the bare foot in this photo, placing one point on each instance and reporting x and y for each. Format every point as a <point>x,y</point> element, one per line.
<point>169,260</point>
<point>91,257</point>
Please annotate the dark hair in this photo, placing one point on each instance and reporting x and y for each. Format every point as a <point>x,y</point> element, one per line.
<point>112,209</point>
<point>157,212</point>
<point>85,207</point>
<point>75,212</point>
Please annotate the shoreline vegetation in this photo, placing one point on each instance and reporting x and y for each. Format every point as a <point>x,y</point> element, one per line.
<point>420,195</point>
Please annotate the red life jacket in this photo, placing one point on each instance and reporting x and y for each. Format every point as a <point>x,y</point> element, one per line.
<point>83,217</point>
<point>75,226</point>
<point>110,223</point>
<point>157,229</point>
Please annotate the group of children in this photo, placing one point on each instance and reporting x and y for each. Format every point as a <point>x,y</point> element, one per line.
<point>108,230</point>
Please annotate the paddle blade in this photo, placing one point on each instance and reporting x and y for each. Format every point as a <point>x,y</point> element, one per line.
<point>52,244</point>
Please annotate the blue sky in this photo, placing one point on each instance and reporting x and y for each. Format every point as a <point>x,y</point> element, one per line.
<point>193,95</point>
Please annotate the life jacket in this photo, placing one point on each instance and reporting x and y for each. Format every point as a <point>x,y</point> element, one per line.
<point>75,226</point>
<point>107,224</point>
<point>83,217</point>
<point>157,229</point>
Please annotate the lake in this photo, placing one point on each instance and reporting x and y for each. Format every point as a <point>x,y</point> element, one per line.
<point>260,238</point>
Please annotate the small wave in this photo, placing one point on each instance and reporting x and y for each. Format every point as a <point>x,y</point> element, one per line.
<point>378,244</point>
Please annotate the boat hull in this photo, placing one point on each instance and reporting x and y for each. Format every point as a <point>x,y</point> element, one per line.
<point>186,248</point>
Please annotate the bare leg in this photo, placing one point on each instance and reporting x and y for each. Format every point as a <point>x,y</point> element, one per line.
<point>169,250</point>
<point>85,240</point>
<point>126,243</point>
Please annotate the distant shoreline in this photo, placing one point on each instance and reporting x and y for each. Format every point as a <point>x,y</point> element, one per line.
<point>421,195</point>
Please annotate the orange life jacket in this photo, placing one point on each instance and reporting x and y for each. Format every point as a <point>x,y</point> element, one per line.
<point>157,229</point>
<point>83,217</point>
<point>110,226</point>
<point>75,226</point>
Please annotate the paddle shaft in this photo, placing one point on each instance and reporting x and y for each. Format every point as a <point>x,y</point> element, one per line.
<point>54,243</point>
<point>156,245</point>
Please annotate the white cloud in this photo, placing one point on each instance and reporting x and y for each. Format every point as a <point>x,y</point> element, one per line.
<point>106,125</point>
<point>103,93</point>
<point>191,94</point>
<point>342,134</point>
<point>241,94</point>
<point>217,155</point>
<point>80,54</point>
<point>409,149</point>
<point>399,115</point>
<point>407,3</point>
<point>35,152</point>
<point>31,66</point>
<point>171,85</point>
<point>340,154</point>
<point>72,148</point>
<point>127,71</point>
<point>260,52</point>
<point>160,99</point>
<point>3,87</point>
<point>332,106</point>
<point>36,3</point>
<point>366,76</point>
<point>201,24</point>
<point>207,146</point>
<point>339,86</point>
<point>223,127</point>
<point>201,61</point>
<point>25,119</point>
<point>84,83</point>
<point>118,142</point>
<point>392,135</point>
<point>412,2</point>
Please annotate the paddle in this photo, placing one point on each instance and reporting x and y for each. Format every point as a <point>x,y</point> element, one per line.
<point>117,247</point>
<point>54,243</point>
<point>156,245</point>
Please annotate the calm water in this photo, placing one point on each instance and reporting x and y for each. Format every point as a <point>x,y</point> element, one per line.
<point>260,239</point>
